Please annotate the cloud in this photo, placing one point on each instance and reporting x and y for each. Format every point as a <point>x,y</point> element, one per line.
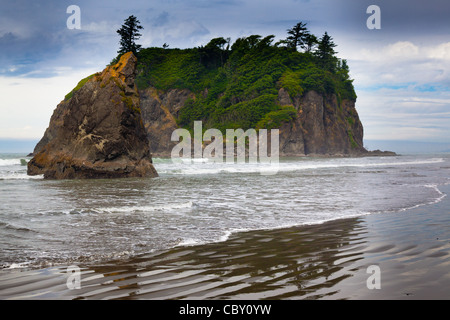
<point>441,52</point>
<point>401,73</point>
<point>403,90</point>
<point>28,103</point>
<point>402,50</point>
<point>161,20</point>
<point>402,64</point>
<point>406,51</point>
<point>394,114</point>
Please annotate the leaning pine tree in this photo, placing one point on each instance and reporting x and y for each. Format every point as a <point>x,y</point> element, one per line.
<point>297,35</point>
<point>129,32</point>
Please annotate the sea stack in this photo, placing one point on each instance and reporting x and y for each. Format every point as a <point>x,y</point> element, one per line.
<point>97,131</point>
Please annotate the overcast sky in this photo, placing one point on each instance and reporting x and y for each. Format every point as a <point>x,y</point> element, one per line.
<point>401,72</point>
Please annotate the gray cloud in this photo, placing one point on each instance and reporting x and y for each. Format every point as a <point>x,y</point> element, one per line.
<point>161,19</point>
<point>400,19</point>
<point>401,71</point>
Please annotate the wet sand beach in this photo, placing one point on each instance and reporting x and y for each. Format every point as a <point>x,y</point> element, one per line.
<point>325,261</point>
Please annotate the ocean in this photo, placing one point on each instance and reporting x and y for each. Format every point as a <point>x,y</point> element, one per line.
<point>60,222</point>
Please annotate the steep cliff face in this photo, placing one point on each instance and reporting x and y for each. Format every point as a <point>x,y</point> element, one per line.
<point>160,111</point>
<point>98,132</point>
<point>322,126</point>
<point>252,83</point>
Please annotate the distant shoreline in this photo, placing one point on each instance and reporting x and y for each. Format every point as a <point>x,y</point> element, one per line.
<point>400,147</point>
<point>17,145</point>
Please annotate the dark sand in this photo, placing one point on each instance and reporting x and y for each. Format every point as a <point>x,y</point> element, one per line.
<point>326,261</point>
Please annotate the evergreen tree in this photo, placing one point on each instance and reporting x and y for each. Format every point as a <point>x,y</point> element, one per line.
<point>214,53</point>
<point>298,35</point>
<point>343,70</point>
<point>129,32</point>
<point>325,52</point>
<point>310,42</point>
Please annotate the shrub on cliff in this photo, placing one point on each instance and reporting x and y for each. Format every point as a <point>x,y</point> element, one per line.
<point>275,119</point>
<point>80,84</point>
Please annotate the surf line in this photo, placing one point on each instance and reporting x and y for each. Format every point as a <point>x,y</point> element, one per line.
<point>235,147</point>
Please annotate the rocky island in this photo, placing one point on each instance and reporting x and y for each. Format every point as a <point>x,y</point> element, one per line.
<point>97,131</point>
<point>253,83</point>
<point>112,122</point>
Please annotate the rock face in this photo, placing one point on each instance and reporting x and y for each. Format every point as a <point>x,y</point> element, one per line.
<point>159,111</point>
<point>323,126</point>
<point>98,132</point>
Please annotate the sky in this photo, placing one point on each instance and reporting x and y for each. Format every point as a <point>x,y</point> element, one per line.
<point>401,72</point>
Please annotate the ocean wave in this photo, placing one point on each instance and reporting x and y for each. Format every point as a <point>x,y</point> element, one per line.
<point>46,261</point>
<point>122,209</point>
<point>11,175</point>
<point>205,167</point>
<point>19,265</point>
<point>13,162</point>
<point>15,169</point>
<point>9,226</point>
<point>188,242</point>
<point>127,209</point>
<point>439,198</point>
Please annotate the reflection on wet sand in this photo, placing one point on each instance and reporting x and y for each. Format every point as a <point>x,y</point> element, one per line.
<point>274,264</point>
<point>302,262</point>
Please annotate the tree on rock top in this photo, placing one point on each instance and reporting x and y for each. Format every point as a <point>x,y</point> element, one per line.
<point>129,32</point>
<point>297,36</point>
<point>326,53</point>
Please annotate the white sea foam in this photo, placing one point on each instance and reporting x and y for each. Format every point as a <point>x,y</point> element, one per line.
<point>18,265</point>
<point>228,233</point>
<point>204,167</point>
<point>15,169</point>
<point>162,207</point>
<point>195,160</point>
<point>189,242</point>
<point>10,162</point>
<point>438,199</point>
<point>11,175</point>
<point>195,242</point>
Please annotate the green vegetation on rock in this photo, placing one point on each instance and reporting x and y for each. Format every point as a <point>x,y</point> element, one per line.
<point>78,87</point>
<point>352,139</point>
<point>236,85</point>
<point>275,119</point>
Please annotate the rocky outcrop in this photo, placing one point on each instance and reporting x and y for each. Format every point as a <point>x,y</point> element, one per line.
<point>323,125</point>
<point>160,111</point>
<point>98,132</point>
